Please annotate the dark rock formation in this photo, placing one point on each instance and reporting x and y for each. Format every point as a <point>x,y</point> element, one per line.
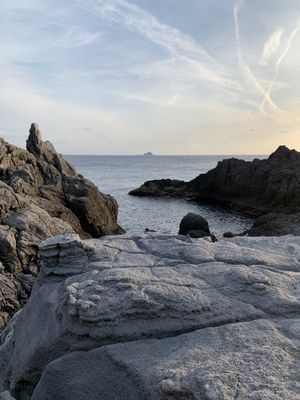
<point>258,187</point>
<point>276,224</point>
<point>42,195</point>
<point>162,188</point>
<point>194,225</point>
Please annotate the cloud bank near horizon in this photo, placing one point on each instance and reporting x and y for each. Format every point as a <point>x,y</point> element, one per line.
<point>173,77</point>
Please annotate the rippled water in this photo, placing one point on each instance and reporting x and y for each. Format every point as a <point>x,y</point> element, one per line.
<point>118,175</point>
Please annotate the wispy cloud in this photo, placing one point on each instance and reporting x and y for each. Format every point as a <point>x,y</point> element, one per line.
<point>279,62</point>
<point>179,44</point>
<point>114,64</point>
<point>245,68</point>
<point>165,102</point>
<point>28,105</point>
<point>271,46</point>
<point>73,37</point>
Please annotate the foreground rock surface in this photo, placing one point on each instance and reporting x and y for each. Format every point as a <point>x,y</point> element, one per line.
<point>258,187</point>
<point>42,195</point>
<point>158,317</point>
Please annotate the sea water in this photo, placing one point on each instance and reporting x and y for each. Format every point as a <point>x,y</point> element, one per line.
<point>117,175</point>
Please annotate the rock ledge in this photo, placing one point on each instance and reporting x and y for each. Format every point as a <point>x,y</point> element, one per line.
<point>158,317</point>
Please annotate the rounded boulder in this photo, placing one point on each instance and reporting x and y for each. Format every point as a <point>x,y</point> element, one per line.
<point>194,225</point>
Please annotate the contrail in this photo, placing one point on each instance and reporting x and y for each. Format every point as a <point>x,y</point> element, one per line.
<point>279,61</point>
<point>245,68</point>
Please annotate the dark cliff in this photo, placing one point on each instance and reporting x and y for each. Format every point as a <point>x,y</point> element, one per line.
<point>257,187</point>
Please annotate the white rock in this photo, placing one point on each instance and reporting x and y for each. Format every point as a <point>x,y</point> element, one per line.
<point>155,316</point>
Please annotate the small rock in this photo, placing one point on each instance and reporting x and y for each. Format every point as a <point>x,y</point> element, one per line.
<point>194,225</point>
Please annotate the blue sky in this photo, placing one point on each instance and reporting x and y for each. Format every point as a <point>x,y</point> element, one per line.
<point>169,76</point>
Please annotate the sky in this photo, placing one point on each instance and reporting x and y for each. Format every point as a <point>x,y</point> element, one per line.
<point>166,76</point>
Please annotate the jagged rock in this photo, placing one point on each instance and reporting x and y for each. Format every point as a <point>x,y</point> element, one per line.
<point>194,225</point>
<point>46,153</point>
<point>97,212</point>
<point>157,317</point>
<point>8,249</point>
<point>162,187</point>
<point>276,224</point>
<point>42,195</point>
<point>10,202</point>
<point>8,297</point>
<point>34,225</point>
<point>34,141</point>
<point>257,187</point>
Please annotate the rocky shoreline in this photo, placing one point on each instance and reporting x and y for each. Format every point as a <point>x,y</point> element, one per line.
<point>151,316</point>
<point>268,189</point>
<point>158,317</point>
<point>42,195</point>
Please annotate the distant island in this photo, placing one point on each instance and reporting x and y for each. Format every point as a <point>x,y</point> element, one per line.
<point>148,153</point>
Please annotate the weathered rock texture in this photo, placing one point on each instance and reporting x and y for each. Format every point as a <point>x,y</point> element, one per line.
<point>158,317</point>
<point>258,187</point>
<point>42,195</point>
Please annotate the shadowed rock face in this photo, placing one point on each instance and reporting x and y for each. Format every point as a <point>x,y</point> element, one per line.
<point>42,195</point>
<point>194,225</point>
<point>158,317</point>
<point>257,187</point>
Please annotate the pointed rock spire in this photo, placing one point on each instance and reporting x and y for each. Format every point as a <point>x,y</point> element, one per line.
<point>34,142</point>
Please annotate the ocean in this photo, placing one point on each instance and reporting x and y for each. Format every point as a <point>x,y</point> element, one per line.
<point>117,175</point>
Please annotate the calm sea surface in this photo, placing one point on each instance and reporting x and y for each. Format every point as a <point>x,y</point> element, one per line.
<point>118,175</point>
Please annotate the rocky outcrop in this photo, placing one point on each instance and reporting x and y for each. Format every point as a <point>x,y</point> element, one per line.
<point>8,296</point>
<point>276,224</point>
<point>258,187</point>
<point>158,317</point>
<point>42,195</point>
<point>195,226</point>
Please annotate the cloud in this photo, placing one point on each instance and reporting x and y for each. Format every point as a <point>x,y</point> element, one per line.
<point>288,45</point>
<point>279,62</point>
<point>20,5</point>
<point>177,43</point>
<point>245,68</point>
<point>21,103</point>
<point>152,99</point>
<point>271,46</point>
<point>149,80</point>
<point>73,37</point>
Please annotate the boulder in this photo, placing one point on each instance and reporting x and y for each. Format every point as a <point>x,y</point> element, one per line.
<point>158,317</point>
<point>194,225</point>
<point>41,195</point>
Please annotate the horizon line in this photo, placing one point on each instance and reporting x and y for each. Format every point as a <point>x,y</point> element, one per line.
<point>165,155</point>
